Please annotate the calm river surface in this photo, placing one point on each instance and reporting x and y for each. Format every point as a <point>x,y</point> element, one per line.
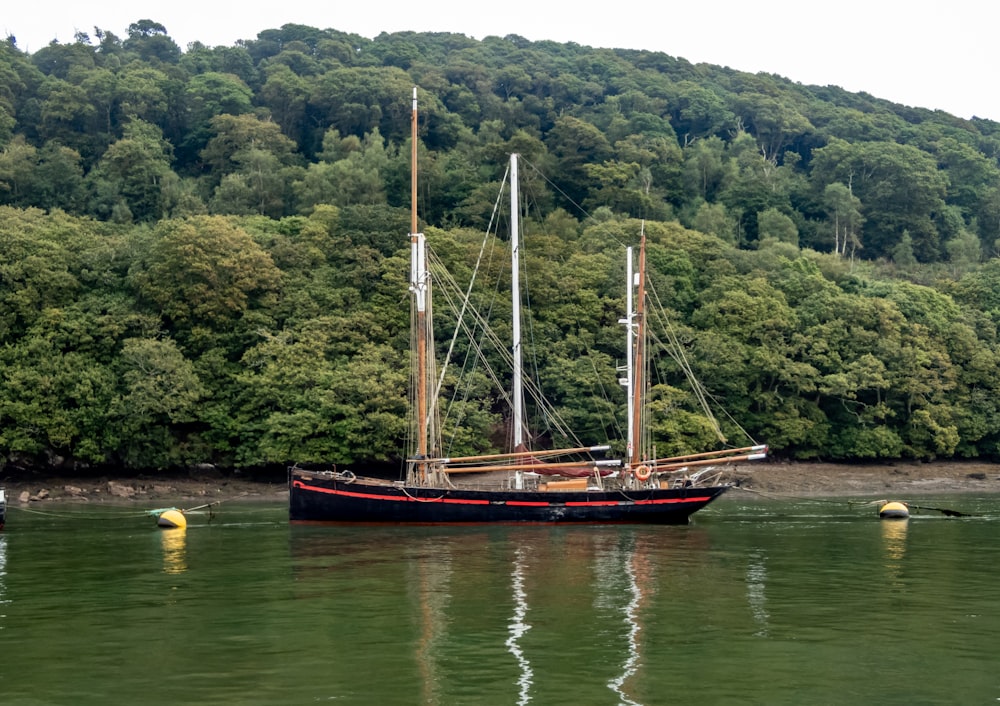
<point>756,602</point>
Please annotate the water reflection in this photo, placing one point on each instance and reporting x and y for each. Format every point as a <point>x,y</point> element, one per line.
<point>174,550</point>
<point>422,615</point>
<point>894,542</point>
<point>3,576</point>
<point>518,626</point>
<point>535,613</point>
<point>756,583</point>
<point>633,564</point>
<point>894,539</point>
<point>433,582</point>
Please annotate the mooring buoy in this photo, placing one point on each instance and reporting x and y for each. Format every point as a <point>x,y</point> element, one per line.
<point>894,510</point>
<point>172,518</point>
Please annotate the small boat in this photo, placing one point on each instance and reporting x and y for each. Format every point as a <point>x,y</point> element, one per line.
<point>3,508</point>
<point>571,485</point>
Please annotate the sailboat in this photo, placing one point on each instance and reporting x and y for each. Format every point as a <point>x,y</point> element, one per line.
<point>523,485</point>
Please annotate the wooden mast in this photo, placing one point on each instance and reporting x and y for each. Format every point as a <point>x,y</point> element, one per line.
<point>639,381</point>
<point>418,285</point>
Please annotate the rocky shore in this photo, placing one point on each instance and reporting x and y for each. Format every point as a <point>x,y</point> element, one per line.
<point>183,491</point>
<point>772,478</point>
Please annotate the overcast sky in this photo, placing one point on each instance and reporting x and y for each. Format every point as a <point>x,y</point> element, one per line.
<point>938,55</point>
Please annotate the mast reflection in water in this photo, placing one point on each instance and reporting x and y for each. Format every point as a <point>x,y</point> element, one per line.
<point>519,626</point>
<point>3,579</point>
<point>631,566</point>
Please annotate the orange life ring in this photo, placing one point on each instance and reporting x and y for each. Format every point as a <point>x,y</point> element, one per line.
<point>643,472</point>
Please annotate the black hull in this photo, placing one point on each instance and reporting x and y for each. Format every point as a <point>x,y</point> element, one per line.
<point>317,497</point>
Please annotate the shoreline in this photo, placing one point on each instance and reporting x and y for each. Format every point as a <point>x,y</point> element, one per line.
<point>898,479</point>
<point>791,478</point>
<point>131,490</point>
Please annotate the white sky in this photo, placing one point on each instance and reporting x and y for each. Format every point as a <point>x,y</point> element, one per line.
<point>938,55</point>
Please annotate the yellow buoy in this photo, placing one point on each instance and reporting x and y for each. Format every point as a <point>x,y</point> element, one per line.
<point>894,511</point>
<point>172,518</point>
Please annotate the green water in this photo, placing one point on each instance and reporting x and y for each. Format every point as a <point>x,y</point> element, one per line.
<point>754,603</point>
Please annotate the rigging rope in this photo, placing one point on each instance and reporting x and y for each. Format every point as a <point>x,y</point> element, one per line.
<point>852,503</point>
<point>78,515</point>
<point>676,351</point>
<point>461,304</point>
<point>123,515</point>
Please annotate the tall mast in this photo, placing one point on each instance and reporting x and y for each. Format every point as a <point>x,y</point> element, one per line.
<point>515,286</point>
<point>638,390</point>
<point>418,285</point>
<point>629,348</point>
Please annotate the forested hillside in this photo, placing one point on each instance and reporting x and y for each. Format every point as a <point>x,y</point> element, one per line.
<point>203,252</point>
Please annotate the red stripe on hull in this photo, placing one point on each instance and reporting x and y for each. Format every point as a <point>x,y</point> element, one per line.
<point>378,496</point>
<point>518,503</point>
<point>663,501</point>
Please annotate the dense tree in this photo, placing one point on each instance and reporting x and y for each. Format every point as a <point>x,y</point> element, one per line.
<point>844,213</point>
<point>131,175</point>
<point>150,41</point>
<point>18,163</point>
<point>715,219</point>
<point>143,92</point>
<point>286,95</point>
<point>234,135</point>
<point>204,270</point>
<point>273,330</point>
<point>705,168</point>
<point>899,186</point>
<point>587,109</point>
<point>699,113</point>
<point>351,172</point>
<point>776,123</point>
<point>359,100</point>
<point>59,60</point>
<point>55,401</point>
<point>773,225</point>
<point>65,115</point>
<point>206,96</point>
<point>575,143</point>
<point>259,185</point>
<point>160,396</point>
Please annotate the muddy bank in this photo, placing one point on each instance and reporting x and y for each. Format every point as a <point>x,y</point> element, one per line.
<point>165,491</point>
<point>897,480</point>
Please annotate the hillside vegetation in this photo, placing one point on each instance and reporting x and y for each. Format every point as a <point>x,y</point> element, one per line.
<point>203,253</point>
